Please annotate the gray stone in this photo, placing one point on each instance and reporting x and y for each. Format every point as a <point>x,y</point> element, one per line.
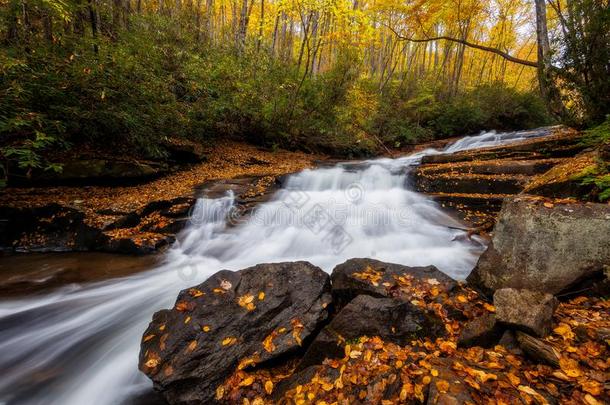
<point>549,248</point>
<point>526,310</point>
<point>346,283</point>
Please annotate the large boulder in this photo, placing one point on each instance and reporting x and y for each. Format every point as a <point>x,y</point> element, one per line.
<point>249,317</point>
<point>527,310</point>
<point>379,279</point>
<point>545,247</point>
<point>391,319</point>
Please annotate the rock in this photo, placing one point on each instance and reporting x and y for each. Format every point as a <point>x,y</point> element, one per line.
<point>483,331</point>
<point>525,310</point>
<point>466,183</point>
<point>377,279</point>
<point>184,151</point>
<point>510,343</point>
<point>105,169</point>
<point>544,247</point>
<point>48,228</point>
<point>565,179</point>
<point>391,319</point>
<point>256,315</point>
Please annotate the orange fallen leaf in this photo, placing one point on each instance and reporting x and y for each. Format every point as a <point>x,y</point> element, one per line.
<point>228,341</point>
<point>442,386</point>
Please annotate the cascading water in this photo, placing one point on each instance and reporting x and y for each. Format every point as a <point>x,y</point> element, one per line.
<point>79,344</point>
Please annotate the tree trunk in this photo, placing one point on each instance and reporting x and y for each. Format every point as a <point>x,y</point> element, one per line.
<point>549,91</point>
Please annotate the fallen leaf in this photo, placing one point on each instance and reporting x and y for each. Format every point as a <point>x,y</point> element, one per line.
<point>442,386</point>
<point>228,341</point>
<point>268,387</point>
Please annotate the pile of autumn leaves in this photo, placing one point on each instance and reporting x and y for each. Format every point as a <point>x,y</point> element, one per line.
<point>377,372</point>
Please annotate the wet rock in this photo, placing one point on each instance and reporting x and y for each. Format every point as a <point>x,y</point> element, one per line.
<point>49,228</point>
<point>378,279</point>
<point>525,310</point>
<point>547,248</point>
<point>483,331</point>
<point>303,377</point>
<point>257,315</point>
<point>564,143</point>
<point>391,319</point>
<point>462,183</point>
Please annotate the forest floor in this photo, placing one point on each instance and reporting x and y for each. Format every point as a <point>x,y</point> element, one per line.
<point>105,206</point>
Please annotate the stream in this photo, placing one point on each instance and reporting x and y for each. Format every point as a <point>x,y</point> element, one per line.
<point>78,344</point>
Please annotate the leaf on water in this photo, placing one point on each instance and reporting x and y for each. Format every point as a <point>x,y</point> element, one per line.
<point>269,387</point>
<point>261,296</point>
<point>205,328</point>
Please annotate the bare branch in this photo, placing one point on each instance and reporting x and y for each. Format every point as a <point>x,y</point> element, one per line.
<point>470,45</point>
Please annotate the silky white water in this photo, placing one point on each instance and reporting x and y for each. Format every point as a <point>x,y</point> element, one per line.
<point>79,344</point>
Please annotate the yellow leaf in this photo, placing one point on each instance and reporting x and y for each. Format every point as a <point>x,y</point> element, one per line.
<point>247,382</point>
<point>268,387</point>
<point>220,392</point>
<point>192,346</point>
<point>229,341</point>
<point>530,391</point>
<point>591,401</point>
<point>206,328</point>
<point>268,343</point>
<point>442,386</point>
<point>147,338</point>
<point>514,380</point>
<point>261,296</point>
<point>570,367</point>
<point>564,331</point>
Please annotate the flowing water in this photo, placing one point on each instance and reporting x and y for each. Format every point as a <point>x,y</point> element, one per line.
<point>79,344</point>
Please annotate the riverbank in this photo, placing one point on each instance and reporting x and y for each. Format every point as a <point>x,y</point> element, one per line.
<point>138,218</point>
